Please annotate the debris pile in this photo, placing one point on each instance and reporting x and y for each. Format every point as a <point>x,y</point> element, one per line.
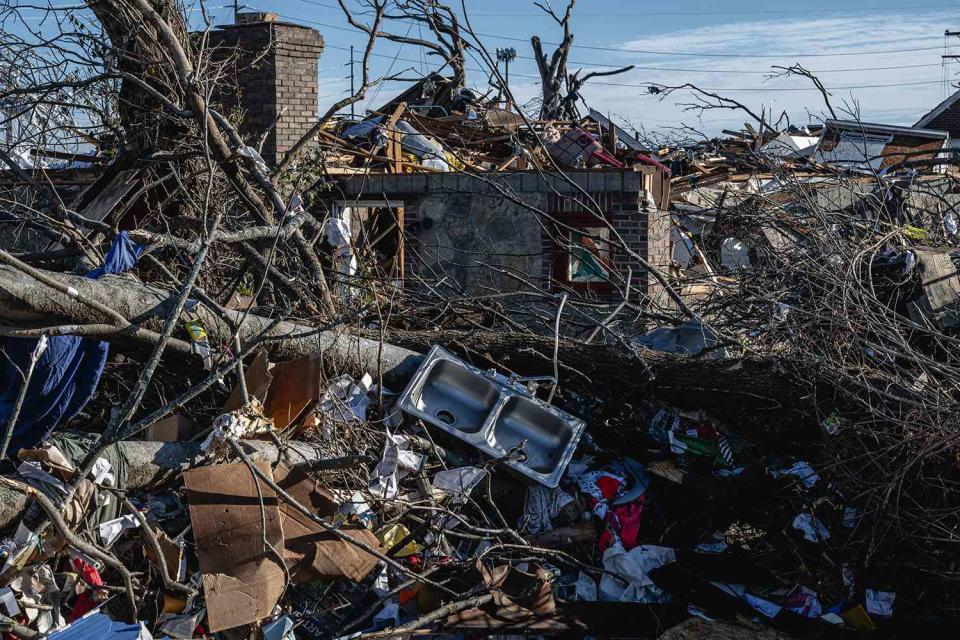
<point>702,389</point>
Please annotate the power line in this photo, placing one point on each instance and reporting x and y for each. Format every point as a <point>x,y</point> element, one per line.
<point>706,12</point>
<point>718,55</point>
<point>657,52</point>
<point>777,89</point>
<point>639,67</point>
<point>597,65</point>
<point>749,12</point>
<point>645,85</point>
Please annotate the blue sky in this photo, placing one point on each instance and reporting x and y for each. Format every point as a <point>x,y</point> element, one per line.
<point>844,35</point>
<point>729,46</point>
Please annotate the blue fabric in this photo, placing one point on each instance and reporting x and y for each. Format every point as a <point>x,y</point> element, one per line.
<point>97,627</point>
<point>122,256</point>
<point>67,372</point>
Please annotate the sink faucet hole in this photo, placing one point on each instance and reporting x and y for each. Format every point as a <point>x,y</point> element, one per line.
<point>446,417</point>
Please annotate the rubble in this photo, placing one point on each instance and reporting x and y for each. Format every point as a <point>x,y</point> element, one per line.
<point>452,367</point>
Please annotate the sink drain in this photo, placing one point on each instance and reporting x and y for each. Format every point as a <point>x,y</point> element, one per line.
<point>446,417</point>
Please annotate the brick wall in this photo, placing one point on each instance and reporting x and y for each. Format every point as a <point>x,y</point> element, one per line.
<point>271,76</point>
<point>643,228</point>
<point>948,121</point>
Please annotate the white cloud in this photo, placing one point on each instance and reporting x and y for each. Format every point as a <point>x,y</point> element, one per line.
<point>831,37</point>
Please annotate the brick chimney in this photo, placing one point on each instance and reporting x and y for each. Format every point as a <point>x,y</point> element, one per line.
<point>272,78</point>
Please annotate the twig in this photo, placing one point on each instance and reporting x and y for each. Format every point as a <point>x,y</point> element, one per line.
<point>556,349</point>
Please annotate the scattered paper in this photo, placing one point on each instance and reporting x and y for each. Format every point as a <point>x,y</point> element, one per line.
<point>392,536</point>
<point>397,462</point>
<point>356,507</point>
<point>459,482</point>
<point>950,223</point>
<point>765,607</point>
<point>347,401</point>
<point>102,473</point>
<point>586,588</point>
<point>831,424</point>
<point>813,530</point>
<point>180,627</point>
<point>541,506</point>
<point>35,476</point>
<point>279,629</point>
<point>880,603</point>
<point>634,584</point>
<point>801,470</point>
<point>111,529</point>
<point>8,600</point>
<point>235,425</point>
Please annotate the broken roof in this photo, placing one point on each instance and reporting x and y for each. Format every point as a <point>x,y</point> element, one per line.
<point>871,128</point>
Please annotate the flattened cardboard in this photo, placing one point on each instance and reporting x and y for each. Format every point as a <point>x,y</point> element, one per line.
<point>242,581</point>
<point>297,384</point>
<point>311,552</point>
<point>175,428</point>
<point>258,379</point>
<point>171,551</point>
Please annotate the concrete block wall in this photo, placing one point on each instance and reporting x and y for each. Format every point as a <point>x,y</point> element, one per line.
<point>271,77</point>
<point>454,221</point>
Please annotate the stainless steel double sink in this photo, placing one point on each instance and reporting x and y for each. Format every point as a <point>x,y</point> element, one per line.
<point>493,413</point>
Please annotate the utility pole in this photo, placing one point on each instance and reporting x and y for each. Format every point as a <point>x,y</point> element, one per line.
<point>236,10</point>
<point>946,58</point>
<point>352,92</point>
<point>506,56</point>
<point>950,34</point>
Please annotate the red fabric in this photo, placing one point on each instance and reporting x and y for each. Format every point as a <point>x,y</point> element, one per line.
<point>623,522</point>
<point>630,516</point>
<point>700,431</point>
<point>86,601</point>
<point>609,485</point>
<point>409,594</point>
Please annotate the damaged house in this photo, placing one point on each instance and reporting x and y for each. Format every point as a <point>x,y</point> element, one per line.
<point>457,366</point>
<point>481,228</point>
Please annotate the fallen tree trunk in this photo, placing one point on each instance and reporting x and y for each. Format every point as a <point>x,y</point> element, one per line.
<point>150,463</point>
<point>26,303</point>
<point>620,376</point>
<point>624,378</point>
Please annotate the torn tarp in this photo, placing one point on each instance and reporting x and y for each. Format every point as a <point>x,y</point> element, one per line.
<point>97,626</point>
<point>67,372</point>
<point>121,257</point>
<point>691,337</point>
